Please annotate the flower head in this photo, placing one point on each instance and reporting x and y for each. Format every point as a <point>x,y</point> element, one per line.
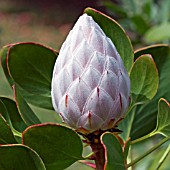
<point>90,85</point>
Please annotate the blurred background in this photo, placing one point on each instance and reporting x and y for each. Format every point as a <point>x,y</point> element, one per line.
<point>48,22</point>
<point>42,21</point>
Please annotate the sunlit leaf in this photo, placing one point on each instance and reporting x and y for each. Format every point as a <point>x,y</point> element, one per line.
<point>144,79</point>
<point>163,119</point>
<point>145,117</point>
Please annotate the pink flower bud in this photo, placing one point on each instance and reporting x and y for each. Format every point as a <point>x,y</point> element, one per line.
<point>90,86</point>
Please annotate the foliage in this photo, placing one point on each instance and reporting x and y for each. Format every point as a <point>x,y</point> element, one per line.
<point>28,69</point>
<point>147,21</point>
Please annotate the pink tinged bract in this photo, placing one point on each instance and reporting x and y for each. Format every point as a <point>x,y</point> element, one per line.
<point>90,85</point>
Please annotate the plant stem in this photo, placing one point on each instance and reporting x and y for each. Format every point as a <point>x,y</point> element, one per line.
<point>90,155</point>
<point>148,152</point>
<point>143,138</point>
<point>163,157</point>
<point>99,154</point>
<point>16,133</point>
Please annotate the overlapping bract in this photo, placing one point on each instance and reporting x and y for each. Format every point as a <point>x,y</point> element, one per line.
<point>90,86</point>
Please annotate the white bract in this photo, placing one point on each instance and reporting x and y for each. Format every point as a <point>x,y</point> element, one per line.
<point>90,86</point>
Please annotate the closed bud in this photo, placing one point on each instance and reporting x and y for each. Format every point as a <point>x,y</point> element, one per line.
<point>90,85</point>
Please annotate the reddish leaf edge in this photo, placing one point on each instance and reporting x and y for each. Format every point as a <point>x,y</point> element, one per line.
<point>150,47</point>
<point>41,125</point>
<point>105,150</point>
<point>32,43</point>
<point>123,144</point>
<point>89,164</point>
<point>114,21</point>
<point>14,145</point>
<point>145,55</point>
<point>24,43</point>
<point>167,102</point>
<point>9,128</point>
<point>10,46</point>
<point>24,146</point>
<point>111,19</point>
<point>149,56</point>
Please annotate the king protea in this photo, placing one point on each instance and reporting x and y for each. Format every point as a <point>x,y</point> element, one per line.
<point>90,85</point>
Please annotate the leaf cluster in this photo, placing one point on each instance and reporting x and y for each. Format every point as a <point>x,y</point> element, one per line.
<point>28,68</point>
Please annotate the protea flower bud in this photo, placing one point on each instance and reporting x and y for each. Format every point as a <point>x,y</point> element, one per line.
<point>90,86</point>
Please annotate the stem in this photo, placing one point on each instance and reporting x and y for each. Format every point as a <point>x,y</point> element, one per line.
<point>132,116</point>
<point>16,133</point>
<point>90,155</point>
<point>163,157</point>
<point>99,154</point>
<point>148,152</point>
<point>143,138</point>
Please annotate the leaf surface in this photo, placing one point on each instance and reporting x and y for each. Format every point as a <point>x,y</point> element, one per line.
<point>114,158</point>
<point>116,33</point>
<point>30,66</point>
<point>163,120</point>
<point>145,118</point>
<point>144,79</point>
<point>6,135</point>
<point>19,157</point>
<point>58,146</point>
<point>9,111</point>
<point>24,109</point>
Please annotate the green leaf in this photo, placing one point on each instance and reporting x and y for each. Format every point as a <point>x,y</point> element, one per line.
<point>156,159</point>
<point>114,158</point>
<point>3,55</point>
<point>126,149</point>
<point>115,8</point>
<point>9,111</point>
<point>163,120</point>
<point>6,135</point>
<point>30,66</point>
<point>58,146</point>
<point>26,112</point>
<point>158,33</point>
<point>144,79</point>
<point>140,24</point>
<point>19,157</point>
<point>164,8</point>
<point>116,33</point>
<point>146,115</point>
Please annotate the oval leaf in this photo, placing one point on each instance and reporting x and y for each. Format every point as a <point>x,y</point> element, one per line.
<point>116,33</point>
<point>163,119</point>
<point>9,111</point>
<point>6,135</point>
<point>26,112</point>
<point>114,155</point>
<point>145,118</point>
<point>31,66</point>
<point>19,157</point>
<point>144,79</point>
<point>58,146</point>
